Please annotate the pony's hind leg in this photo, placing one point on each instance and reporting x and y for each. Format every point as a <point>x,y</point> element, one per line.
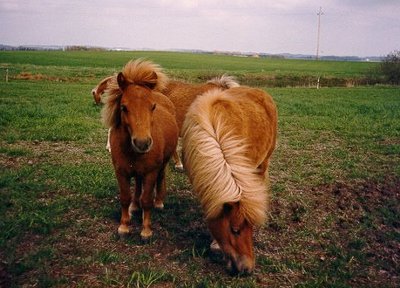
<point>125,200</point>
<point>108,146</point>
<point>176,156</point>
<point>161,190</point>
<point>177,160</point>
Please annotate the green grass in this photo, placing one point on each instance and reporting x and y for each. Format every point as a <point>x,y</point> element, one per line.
<point>183,61</point>
<point>335,179</point>
<point>34,116</point>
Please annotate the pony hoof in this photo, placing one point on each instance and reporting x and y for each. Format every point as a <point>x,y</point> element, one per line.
<point>146,235</point>
<point>123,230</point>
<point>159,205</point>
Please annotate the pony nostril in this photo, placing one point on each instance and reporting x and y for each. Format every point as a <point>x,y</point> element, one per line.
<point>142,145</point>
<point>243,266</point>
<point>150,143</point>
<point>247,271</point>
<point>246,266</point>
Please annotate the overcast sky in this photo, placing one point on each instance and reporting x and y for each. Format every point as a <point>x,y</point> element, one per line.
<point>348,27</point>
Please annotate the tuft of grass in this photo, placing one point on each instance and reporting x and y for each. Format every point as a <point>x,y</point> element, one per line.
<point>138,279</point>
<point>107,257</point>
<point>147,278</point>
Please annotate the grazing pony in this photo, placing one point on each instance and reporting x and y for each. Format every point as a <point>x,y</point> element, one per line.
<point>181,94</point>
<point>143,138</point>
<point>228,139</point>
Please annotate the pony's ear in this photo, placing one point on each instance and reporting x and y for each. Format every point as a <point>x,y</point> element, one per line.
<point>122,83</point>
<point>151,82</point>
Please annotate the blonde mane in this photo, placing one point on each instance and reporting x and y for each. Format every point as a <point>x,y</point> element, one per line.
<point>217,164</point>
<point>139,72</point>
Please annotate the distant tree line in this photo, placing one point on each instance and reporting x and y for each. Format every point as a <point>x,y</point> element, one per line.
<point>390,68</point>
<point>83,48</point>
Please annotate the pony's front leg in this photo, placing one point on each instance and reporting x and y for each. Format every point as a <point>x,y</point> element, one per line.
<point>125,200</point>
<point>161,190</point>
<point>146,200</point>
<point>135,204</point>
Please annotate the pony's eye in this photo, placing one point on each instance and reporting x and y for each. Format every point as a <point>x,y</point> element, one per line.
<point>153,107</point>
<point>123,108</point>
<point>235,231</point>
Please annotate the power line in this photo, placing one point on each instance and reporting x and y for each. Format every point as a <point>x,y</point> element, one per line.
<point>319,30</point>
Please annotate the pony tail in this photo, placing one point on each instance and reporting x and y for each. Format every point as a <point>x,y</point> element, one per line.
<point>224,82</point>
<point>216,161</point>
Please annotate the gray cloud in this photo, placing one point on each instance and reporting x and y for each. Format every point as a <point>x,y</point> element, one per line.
<point>348,27</point>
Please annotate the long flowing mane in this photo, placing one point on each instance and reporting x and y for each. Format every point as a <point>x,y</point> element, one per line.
<point>217,164</point>
<point>140,72</point>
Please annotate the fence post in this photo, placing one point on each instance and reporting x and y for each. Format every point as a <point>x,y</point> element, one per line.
<point>318,82</point>
<point>6,75</point>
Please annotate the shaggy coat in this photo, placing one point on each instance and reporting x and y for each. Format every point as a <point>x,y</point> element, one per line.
<point>228,138</point>
<point>183,94</point>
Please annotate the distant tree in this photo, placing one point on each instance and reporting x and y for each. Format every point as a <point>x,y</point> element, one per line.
<point>390,67</point>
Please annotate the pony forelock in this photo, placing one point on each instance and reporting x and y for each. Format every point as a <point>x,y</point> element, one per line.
<point>138,72</point>
<point>217,164</point>
<point>141,71</point>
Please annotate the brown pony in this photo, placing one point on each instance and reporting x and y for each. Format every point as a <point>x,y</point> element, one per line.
<point>181,94</point>
<point>228,139</point>
<point>143,138</point>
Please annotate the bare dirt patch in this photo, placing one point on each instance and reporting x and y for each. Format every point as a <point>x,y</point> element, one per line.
<point>374,206</point>
<point>42,77</point>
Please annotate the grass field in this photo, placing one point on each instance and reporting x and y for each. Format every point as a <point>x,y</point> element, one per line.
<point>81,66</point>
<point>335,175</point>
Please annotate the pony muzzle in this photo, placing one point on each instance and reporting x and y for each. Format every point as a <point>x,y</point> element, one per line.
<point>142,145</point>
<point>242,265</point>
